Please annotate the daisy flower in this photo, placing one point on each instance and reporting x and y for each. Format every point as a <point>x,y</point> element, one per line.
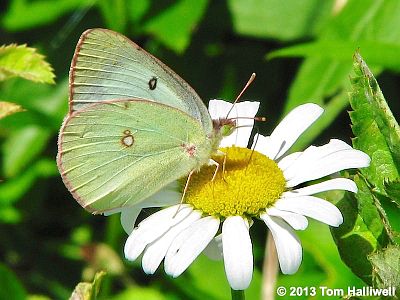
<point>255,184</point>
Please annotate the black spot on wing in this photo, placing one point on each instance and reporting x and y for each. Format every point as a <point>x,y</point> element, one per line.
<point>153,83</point>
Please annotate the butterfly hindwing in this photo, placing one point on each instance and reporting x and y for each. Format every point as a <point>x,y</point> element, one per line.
<point>108,66</point>
<point>117,153</point>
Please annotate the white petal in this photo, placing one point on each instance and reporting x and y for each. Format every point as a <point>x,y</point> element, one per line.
<point>288,160</point>
<point>298,222</point>
<point>328,185</point>
<point>167,196</point>
<point>214,248</point>
<point>317,162</point>
<point>129,216</point>
<point>218,108</point>
<point>312,207</point>
<point>153,227</point>
<point>155,252</point>
<point>287,244</point>
<point>243,111</point>
<point>189,244</point>
<point>237,251</point>
<point>292,126</point>
<point>265,145</point>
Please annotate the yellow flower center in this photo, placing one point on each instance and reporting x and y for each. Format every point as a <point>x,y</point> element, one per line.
<point>251,182</point>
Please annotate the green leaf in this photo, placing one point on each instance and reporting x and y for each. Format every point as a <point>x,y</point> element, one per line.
<point>114,13</point>
<point>319,247</point>
<point>321,264</point>
<point>148,293</point>
<point>38,297</point>
<point>25,62</point>
<point>9,215</point>
<point>377,53</point>
<point>283,20</point>
<point>7,108</point>
<point>13,189</point>
<point>376,130</point>
<point>137,9</point>
<point>392,189</point>
<point>325,80</point>
<point>22,147</point>
<point>174,25</point>
<point>203,284</point>
<point>88,291</point>
<point>11,288</point>
<point>23,14</point>
<point>386,268</point>
<point>364,230</point>
<point>46,105</point>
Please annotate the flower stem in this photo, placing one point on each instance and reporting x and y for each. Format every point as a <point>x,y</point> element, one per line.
<point>237,295</point>
<point>270,269</point>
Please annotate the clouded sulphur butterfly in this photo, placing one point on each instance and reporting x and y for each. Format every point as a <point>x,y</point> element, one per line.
<point>133,125</point>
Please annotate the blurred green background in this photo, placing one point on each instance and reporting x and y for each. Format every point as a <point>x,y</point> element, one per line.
<point>301,51</point>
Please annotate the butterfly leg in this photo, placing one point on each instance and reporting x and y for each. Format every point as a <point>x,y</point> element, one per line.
<point>184,192</point>
<point>223,167</point>
<point>213,162</point>
<point>216,164</point>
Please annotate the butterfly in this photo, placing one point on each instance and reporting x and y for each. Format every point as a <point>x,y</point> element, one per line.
<point>133,125</point>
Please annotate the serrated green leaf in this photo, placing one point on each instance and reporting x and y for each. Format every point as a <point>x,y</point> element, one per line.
<point>376,130</point>
<point>22,147</point>
<point>364,230</point>
<point>86,290</point>
<point>377,53</point>
<point>25,62</point>
<point>386,268</point>
<point>384,118</point>
<point>174,25</point>
<point>22,14</point>
<point>8,108</point>
<point>283,20</point>
<point>11,288</point>
<point>392,189</point>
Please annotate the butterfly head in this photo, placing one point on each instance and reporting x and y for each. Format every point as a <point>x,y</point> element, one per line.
<point>224,127</point>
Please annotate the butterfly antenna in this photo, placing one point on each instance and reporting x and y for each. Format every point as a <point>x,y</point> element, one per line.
<point>253,148</point>
<point>251,79</point>
<point>261,119</point>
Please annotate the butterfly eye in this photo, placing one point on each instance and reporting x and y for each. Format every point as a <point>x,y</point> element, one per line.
<point>153,83</point>
<point>224,126</point>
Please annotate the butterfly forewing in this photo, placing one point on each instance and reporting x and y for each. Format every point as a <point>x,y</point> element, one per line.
<point>117,153</point>
<point>108,66</point>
